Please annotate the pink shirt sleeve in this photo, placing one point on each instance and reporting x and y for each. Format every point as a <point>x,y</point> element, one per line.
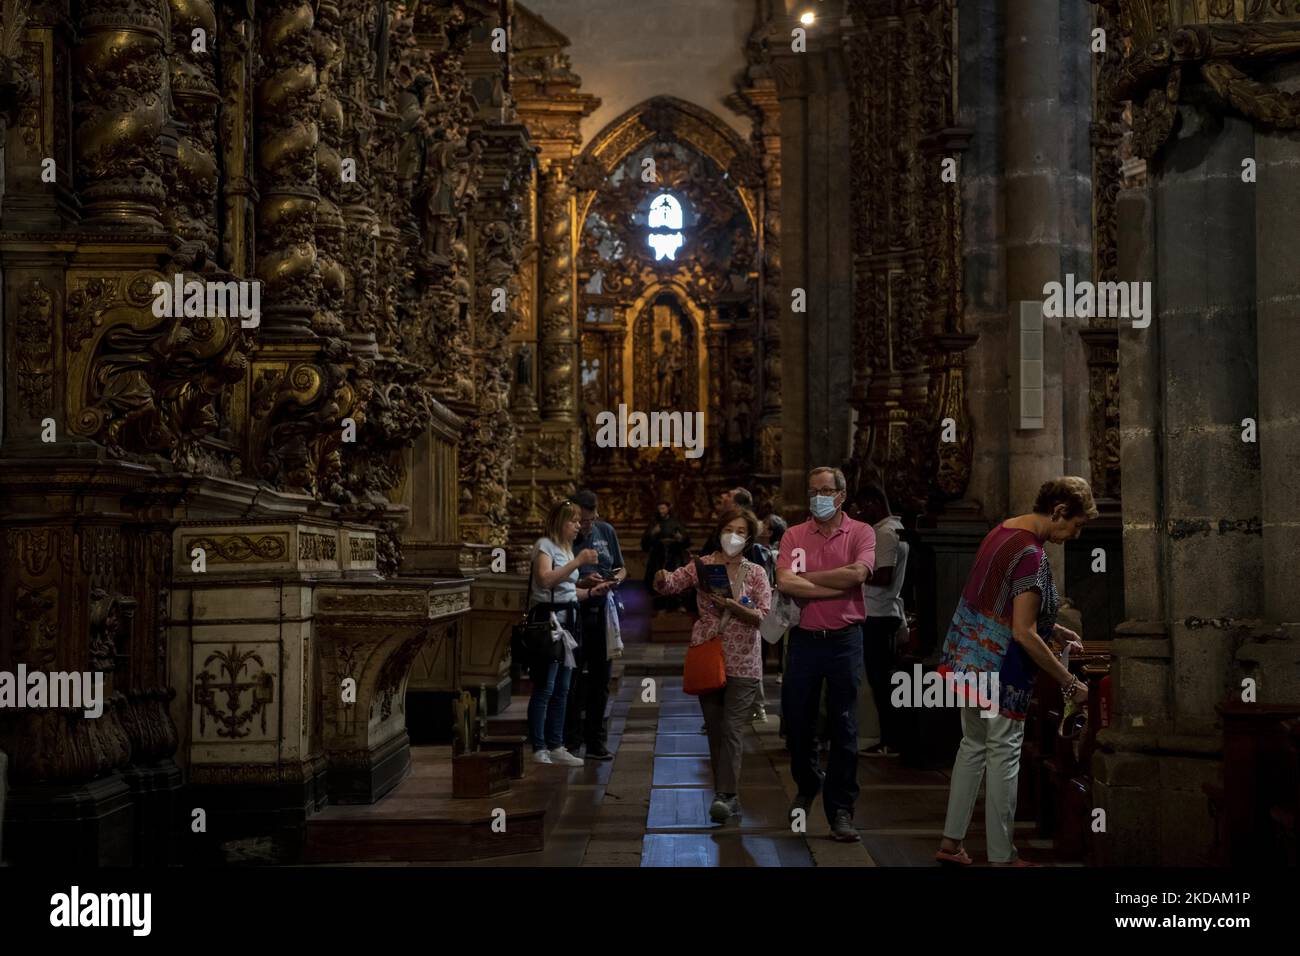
<point>789,541</point>
<point>681,579</point>
<point>864,550</point>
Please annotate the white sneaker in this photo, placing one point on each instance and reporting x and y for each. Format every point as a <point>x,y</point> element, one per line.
<point>565,759</point>
<point>542,756</point>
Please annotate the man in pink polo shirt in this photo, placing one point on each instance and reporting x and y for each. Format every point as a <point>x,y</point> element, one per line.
<point>822,565</point>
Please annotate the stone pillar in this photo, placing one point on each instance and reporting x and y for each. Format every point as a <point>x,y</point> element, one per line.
<point>1140,647</point>
<point>1194,528</point>
<point>1274,660</point>
<point>1205,277</point>
<point>1046,210</point>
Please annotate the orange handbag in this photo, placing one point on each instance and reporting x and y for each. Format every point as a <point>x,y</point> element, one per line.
<point>705,669</point>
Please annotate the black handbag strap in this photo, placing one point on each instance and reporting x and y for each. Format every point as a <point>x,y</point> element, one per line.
<point>528,595</point>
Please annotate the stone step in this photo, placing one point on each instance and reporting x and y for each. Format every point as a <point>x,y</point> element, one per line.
<point>513,721</point>
<point>420,821</point>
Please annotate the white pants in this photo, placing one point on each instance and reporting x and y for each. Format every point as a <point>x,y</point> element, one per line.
<point>992,742</point>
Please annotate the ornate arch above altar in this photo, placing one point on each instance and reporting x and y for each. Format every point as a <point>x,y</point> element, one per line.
<point>669,204</point>
<point>668,117</point>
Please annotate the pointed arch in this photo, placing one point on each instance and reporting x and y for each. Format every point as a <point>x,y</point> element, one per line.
<point>692,125</point>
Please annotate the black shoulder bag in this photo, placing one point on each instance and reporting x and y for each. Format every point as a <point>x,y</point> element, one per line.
<point>530,640</point>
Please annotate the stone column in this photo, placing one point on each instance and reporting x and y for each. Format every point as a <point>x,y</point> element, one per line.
<point>1140,647</point>
<point>1192,544</point>
<point>1274,660</point>
<point>1205,277</point>
<point>1047,202</point>
<point>980,105</point>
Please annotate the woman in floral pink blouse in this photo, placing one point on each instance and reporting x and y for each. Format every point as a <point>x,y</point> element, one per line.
<point>733,620</point>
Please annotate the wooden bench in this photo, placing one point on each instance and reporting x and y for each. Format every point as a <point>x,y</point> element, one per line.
<point>1254,809</point>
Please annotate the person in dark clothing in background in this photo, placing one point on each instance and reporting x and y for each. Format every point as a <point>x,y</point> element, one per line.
<point>884,609</point>
<point>665,541</point>
<point>589,693</point>
<point>776,526</point>
<point>728,500</point>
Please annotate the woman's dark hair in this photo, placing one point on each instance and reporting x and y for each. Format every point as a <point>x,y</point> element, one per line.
<point>751,523</point>
<point>776,527</point>
<point>1073,492</point>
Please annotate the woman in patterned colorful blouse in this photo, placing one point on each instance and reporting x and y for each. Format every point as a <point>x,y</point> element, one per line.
<point>735,621</point>
<point>1002,626</point>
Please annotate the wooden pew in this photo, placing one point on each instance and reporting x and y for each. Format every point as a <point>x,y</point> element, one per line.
<point>1254,809</point>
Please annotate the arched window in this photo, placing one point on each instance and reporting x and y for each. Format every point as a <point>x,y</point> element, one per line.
<point>665,223</point>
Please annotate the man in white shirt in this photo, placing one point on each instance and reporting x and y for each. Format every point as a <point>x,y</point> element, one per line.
<point>885,613</point>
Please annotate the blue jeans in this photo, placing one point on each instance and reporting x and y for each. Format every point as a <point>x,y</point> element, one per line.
<point>837,660</point>
<point>546,706</point>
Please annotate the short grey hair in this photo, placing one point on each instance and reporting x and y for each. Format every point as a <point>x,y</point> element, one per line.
<point>840,483</point>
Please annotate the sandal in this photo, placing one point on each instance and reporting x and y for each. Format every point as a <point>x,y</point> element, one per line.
<point>961,858</point>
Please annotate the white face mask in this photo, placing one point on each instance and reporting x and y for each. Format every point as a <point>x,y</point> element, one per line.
<point>732,544</point>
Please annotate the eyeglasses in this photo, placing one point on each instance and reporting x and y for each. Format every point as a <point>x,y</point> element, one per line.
<point>823,491</point>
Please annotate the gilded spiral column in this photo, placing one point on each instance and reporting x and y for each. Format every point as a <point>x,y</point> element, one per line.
<point>556,348</point>
<point>192,180</point>
<point>119,111</point>
<point>286,165</point>
<point>328,45</point>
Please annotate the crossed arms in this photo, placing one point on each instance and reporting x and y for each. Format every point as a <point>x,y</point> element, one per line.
<point>822,584</point>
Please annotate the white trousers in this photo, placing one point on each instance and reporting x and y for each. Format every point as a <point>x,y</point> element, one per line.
<point>992,743</point>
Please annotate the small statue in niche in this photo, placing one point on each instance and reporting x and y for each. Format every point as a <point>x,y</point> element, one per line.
<point>668,370</point>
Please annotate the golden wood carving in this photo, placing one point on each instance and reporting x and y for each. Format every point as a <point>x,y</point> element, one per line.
<point>908,302</point>
<point>120,112</point>
<point>192,180</point>
<point>34,341</point>
<point>241,548</point>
